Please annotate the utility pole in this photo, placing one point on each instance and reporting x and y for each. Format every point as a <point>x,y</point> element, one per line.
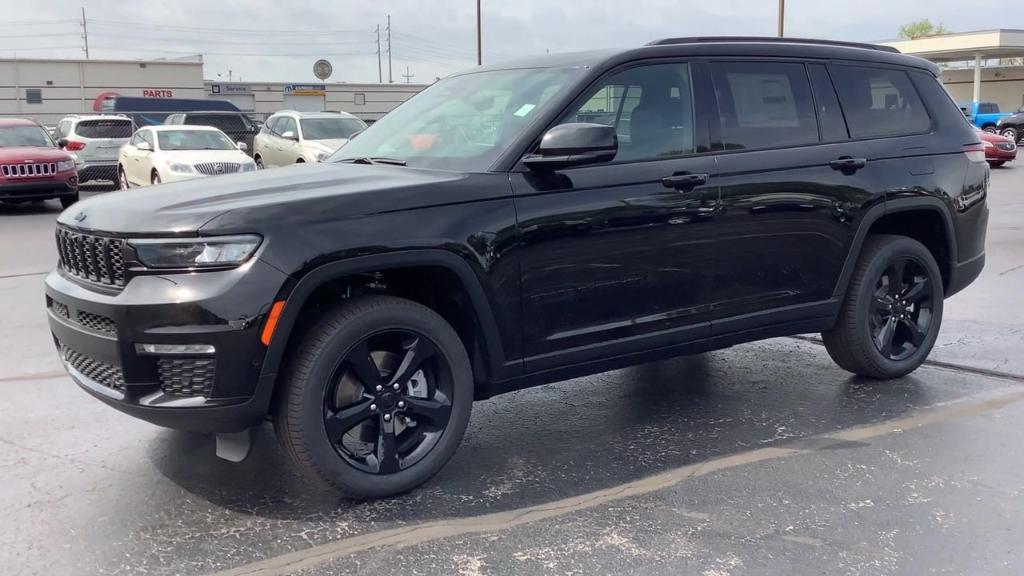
<point>782,18</point>
<point>390,79</point>
<point>380,70</point>
<point>407,75</point>
<point>229,75</point>
<point>479,43</point>
<point>85,33</point>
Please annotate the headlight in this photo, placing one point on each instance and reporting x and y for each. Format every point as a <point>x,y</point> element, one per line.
<point>180,168</point>
<point>247,167</point>
<point>321,156</point>
<point>195,252</point>
<point>65,165</point>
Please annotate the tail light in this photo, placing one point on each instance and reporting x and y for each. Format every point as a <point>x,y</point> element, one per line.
<point>975,152</point>
<point>74,146</point>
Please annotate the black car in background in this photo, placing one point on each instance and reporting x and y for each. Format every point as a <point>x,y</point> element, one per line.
<point>237,125</point>
<point>1012,126</point>
<point>524,223</point>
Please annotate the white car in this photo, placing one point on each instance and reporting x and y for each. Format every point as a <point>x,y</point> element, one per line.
<point>166,153</point>
<point>291,137</point>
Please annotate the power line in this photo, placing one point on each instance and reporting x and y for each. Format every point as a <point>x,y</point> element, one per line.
<point>438,43</point>
<point>118,23</point>
<point>37,22</point>
<point>206,53</point>
<point>325,43</point>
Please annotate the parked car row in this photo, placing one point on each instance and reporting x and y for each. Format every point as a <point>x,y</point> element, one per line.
<point>987,116</point>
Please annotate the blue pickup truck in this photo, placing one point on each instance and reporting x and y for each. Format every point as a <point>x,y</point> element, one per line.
<point>984,115</point>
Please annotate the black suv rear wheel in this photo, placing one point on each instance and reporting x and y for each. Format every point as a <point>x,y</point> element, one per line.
<point>377,397</point>
<point>892,312</point>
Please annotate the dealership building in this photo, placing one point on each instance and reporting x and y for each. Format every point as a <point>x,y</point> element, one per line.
<point>48,90</point>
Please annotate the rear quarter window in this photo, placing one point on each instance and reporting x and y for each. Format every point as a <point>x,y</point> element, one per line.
<point>879,102</point>
<point>104,129</point>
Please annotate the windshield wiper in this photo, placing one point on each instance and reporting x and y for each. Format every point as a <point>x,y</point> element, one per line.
<point>374,160</point>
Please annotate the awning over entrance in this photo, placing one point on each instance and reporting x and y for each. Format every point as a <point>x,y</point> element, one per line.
<point>966,46</point>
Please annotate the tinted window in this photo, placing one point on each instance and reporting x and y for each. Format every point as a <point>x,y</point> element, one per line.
<point>879,102</point>
<point>104,128</point>
<point>223,122</point>
<point>764,104</point>
<point>830,117</point>
<point>651,108</point>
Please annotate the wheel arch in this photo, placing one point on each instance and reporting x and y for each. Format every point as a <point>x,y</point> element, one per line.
<point>885,218</point>
<point>299,295</point>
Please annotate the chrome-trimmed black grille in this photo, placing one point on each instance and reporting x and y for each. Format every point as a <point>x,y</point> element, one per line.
<point>28,169</point>
<point>187,376</point>
<point>97,322</point>
<point>95,258</point>
<point>99,372</point>
<point>216,168</point>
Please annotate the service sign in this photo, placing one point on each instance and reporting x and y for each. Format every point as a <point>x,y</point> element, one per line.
<point>305,90</point>
<point>154,93</point>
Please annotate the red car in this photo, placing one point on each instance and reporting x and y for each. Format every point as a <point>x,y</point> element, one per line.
<point>998,149</point>
<point>32,167</point>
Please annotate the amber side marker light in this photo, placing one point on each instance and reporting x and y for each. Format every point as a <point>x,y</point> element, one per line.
<point>271,325</point>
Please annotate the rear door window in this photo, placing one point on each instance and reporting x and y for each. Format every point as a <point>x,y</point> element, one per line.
<point>879,102</point>
<point>121,128</point>
<point>764,104</point>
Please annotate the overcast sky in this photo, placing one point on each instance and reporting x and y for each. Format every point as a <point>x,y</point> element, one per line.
<point>278,40</point>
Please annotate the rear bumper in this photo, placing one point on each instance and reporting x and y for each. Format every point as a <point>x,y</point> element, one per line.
<point>96,335</point>
<point>39,190</point>
<point>98,170</point>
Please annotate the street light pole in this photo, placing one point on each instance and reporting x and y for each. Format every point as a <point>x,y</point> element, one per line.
<point>479,44</point>
<point>782,18</point>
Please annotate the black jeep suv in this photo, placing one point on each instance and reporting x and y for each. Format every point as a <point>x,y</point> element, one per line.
<point>526,223</point>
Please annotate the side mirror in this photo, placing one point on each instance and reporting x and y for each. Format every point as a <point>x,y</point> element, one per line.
<point>289,135</point>
<point>574,144</point>
<point>62,143</point>
<point>242,146</point>
<point>145,146</point>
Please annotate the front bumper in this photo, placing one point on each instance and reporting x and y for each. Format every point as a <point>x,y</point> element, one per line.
<point>40,189</point>
<point>96,334</point>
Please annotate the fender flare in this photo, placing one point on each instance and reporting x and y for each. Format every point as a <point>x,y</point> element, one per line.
<point>893,206</point>
<point>305,286</point>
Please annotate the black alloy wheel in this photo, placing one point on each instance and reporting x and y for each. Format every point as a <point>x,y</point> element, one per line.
<point>388,403</point>
<point>903,306</point>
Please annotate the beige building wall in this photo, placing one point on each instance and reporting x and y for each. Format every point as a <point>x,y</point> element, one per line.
<point>366,101</point>
<point>71,86</point>
<point>1003,85</point>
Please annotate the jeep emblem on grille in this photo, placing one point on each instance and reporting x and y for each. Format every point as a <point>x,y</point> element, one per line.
<point>218,168</point>
<point>80,216</point>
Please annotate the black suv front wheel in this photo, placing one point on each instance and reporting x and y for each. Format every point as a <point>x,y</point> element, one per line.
<point>892,312</point>
<point>377,397</point>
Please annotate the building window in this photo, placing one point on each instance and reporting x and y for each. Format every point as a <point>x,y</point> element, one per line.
<point>33,96</point>
<point>360,99</point>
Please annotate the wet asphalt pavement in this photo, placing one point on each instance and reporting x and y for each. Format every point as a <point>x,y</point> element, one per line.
<point>760,459</point>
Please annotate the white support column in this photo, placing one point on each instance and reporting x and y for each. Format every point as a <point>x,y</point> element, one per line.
<point>977,76</point>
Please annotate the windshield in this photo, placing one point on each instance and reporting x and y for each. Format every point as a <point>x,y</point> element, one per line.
<point>193,140</point>
<point>460,123</point>
<point>24,136</point>
<point>330,128</point>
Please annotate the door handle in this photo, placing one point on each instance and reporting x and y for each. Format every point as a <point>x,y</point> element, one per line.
<point>848,165</point>
<point>684,182</point>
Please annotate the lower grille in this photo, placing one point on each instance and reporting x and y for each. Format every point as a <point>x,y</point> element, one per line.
<point>99,372</point>
<point>96,322</point>
<point>187,376</point>
<point>215,168</point>
<point>60,309</point>
<point>28,169</point>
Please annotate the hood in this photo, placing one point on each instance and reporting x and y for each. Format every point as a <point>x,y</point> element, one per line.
<point>328,146</point>
<point>251,200</point>
<point>197,156</point>
<point>993,138</point>
<point>36,153</point>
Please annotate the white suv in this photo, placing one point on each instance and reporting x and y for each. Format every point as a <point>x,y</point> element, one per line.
<point>94,140</point>
<point>290,137</point>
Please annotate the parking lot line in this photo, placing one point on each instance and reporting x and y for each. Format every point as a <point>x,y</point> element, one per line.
<point>396,538</point>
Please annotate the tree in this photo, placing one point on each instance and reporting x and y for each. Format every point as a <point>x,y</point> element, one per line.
<point>920,29</point>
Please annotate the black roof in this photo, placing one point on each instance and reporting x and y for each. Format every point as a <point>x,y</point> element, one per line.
<point>722,46</point>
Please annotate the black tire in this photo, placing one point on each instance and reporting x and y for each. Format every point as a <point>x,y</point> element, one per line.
<point>155,178</point>
<point>68,201</point>
<point>852,342</point>
<point>1010,132</point>
<point>996,163</point>
<point>122,179</point>
<point>990,128</point>
<point>311,376</point>
<point>259,162</point>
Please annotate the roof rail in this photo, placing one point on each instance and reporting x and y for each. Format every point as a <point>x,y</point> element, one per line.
<point>770,39</point>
